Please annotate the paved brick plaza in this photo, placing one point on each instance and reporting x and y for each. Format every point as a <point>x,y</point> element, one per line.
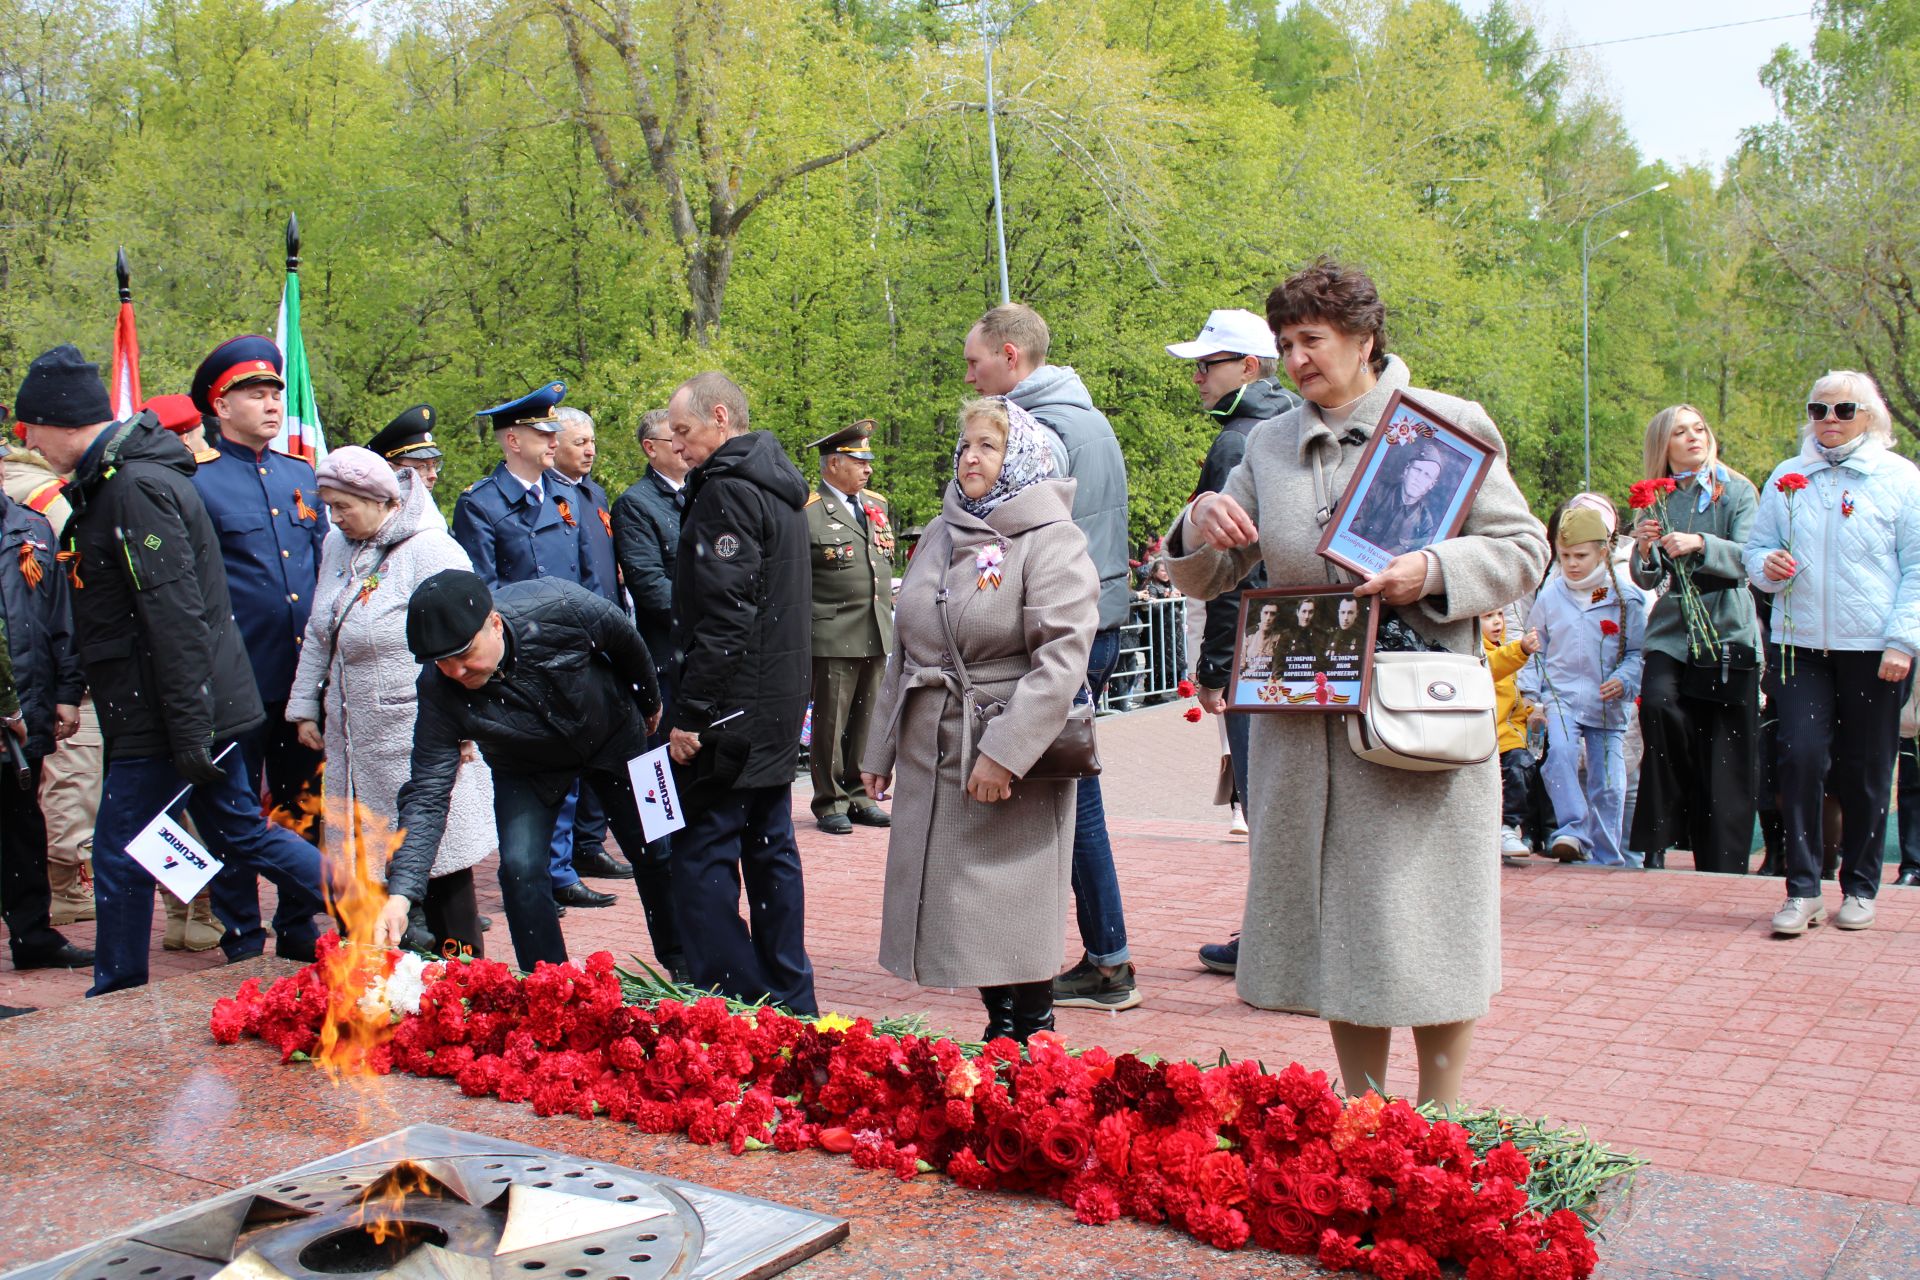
<point>1653,1008</point>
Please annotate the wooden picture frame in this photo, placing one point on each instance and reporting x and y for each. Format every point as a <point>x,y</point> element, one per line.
<point>1374,520</point>
<point>1281,663</point>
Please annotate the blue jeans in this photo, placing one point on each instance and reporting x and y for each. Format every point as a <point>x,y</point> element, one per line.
<point>1096,888</point>
<point>291,774</point>
<point>560,870</point>
<point>525,824</point>
<point>745,839</point>
<point>228,817</point>
<point>1590,815</point>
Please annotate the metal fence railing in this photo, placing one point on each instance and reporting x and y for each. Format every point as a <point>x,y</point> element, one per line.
<point>1153,655</point>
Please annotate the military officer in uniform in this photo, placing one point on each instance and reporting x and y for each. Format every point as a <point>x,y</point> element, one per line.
<point>267,513</point>
<point>520,523</point>
<point>851,537</point>
<point>407,444</point>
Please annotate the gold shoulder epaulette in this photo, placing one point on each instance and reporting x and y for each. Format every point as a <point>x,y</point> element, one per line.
<point>203,456</point>
<point>813,497</point>
<point>874,493</point>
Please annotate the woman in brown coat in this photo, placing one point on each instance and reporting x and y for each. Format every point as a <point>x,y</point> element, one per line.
<point>979,859</point>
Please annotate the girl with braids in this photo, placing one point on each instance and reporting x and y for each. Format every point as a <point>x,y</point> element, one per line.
<point>1589,620</point>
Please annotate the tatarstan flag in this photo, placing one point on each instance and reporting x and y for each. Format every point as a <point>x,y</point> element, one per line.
<point>300,433</point>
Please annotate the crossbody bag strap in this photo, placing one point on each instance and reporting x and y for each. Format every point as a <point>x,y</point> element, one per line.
<point>340,618</point>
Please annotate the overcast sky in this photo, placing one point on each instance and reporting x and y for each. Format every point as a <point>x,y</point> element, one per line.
<point>1685,98</point>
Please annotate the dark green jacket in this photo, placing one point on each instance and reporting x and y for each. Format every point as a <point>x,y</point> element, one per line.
<point>1718,573</point>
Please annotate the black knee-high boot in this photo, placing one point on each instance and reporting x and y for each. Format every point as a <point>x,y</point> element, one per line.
<point>999,1003</point>
<point>1032,1009</point>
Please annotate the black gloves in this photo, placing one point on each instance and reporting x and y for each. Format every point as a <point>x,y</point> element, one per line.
<point>196,765</point>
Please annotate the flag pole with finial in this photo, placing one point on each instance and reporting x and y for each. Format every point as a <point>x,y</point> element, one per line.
<point>125,369</point>
<point>300,433</point>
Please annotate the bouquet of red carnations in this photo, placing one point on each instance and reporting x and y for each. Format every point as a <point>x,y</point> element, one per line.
<point>1228,1153</point>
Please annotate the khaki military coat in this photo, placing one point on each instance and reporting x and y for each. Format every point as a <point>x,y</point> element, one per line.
<point>852,576</point>
<point>977,894</point>
<point>1373,893</point>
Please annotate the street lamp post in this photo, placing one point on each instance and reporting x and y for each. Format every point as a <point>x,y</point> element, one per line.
<point>1586,365</point>
<point>991,33</point>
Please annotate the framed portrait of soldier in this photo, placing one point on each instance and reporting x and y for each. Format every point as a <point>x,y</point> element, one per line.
<point>1413,487</point>
<point>1303,649</point>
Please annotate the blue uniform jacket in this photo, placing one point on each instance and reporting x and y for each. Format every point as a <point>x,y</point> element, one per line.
<point>596,536</point>
<point>39,615</point>
<point>266,511</point>
<point>510,538</point>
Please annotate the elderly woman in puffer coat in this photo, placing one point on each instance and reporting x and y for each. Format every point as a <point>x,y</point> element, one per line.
<point>1373,896</point>
<point>356,666</point>
<point>1836,543</point>
<point>979,857</point>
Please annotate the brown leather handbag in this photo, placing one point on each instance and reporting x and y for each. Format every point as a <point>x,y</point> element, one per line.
<point>1073,754</point>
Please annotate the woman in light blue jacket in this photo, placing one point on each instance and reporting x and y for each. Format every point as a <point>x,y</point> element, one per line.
<point>1837,543</point>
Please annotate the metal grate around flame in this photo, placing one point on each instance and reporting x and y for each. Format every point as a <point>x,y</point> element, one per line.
<point>483,1209</point>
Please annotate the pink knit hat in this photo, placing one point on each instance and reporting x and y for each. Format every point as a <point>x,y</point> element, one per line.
<point>361,472</point>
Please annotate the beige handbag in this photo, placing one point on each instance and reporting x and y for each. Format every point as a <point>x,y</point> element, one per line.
<point>1426,712</point>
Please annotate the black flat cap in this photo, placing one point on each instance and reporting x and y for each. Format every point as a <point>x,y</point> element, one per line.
<point>445,613</point>
<point>63,389</point>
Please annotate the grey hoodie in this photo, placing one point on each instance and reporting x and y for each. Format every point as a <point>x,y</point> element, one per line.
<point>1089,452</point>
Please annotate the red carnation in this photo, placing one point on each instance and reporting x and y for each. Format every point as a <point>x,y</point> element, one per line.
<point>1185,689</point>
<point>1193,715</point>
<point>1096,1205</point>
<point>1219,1226</point>
<point>1641,496</point>
<point>1608,627</point>
<point>1792,482</point>
<point>838,1140</point>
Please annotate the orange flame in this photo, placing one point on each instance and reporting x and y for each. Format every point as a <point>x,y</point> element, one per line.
<point>404,1179</point>
<point>358,843</point>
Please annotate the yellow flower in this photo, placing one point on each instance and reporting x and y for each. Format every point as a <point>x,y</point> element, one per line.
<point>832,1022</point>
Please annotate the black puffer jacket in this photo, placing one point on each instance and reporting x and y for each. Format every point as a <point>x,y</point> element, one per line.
<point>39,623</point>
<point>1237,414</point>
<point>743,616</point>
<point>573,692</point>
<point>152,616</point>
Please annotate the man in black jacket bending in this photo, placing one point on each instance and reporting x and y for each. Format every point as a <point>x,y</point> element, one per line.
<point>163,657</point>
<point>1233,364</point>
<point>742,634</point>
<point>554,686</point>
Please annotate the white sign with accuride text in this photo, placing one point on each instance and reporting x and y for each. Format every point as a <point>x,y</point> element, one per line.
<point>174,858</point>
<point>655,795</point>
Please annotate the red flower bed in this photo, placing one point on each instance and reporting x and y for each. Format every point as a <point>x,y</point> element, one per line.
<point>1228,1154</point>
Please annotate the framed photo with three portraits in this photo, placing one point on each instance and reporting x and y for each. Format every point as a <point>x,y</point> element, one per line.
<point>1304,649</point>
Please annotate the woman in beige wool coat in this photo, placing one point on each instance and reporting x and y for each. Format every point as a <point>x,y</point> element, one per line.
<point>1373,895</point>
<point>979,859</point>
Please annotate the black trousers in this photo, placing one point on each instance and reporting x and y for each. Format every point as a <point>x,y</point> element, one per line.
<point>453,913</point>
<point>1701,768</point>
<point>1833,706</point>
<point>1519,774</point>
<point>1908,787</point>
<point>744,839</point>
<point>23,866</point>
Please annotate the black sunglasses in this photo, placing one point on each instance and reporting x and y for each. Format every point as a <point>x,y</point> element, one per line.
<point>1214,360</point>
<point>1842,412</point>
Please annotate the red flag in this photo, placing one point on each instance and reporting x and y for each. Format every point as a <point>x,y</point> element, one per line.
<point>126,364</point>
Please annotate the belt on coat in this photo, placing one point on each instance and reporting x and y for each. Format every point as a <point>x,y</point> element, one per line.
<point>911,678</point>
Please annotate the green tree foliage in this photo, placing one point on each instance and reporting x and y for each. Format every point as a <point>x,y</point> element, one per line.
<point>619,193</point>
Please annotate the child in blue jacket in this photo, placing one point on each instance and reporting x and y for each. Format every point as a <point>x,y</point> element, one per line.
<point>1590,622</point>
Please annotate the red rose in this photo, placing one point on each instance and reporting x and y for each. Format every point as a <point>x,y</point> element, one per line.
<point>1792,482</point>
<point>1318,1193</point>
<point>1066,1145</point>
<point>1608,627</point>
<point>1194,714</point>
<point>1006,1144</point>
<point>1293,1228</point>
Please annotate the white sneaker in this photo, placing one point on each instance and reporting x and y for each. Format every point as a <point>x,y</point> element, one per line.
<point>1854,913</point>
<point>1800,915</point>
<point>1511,843</point>
<point>1238,827</point>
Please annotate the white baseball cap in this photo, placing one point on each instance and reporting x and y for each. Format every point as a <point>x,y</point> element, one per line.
<point>1238,331</point>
